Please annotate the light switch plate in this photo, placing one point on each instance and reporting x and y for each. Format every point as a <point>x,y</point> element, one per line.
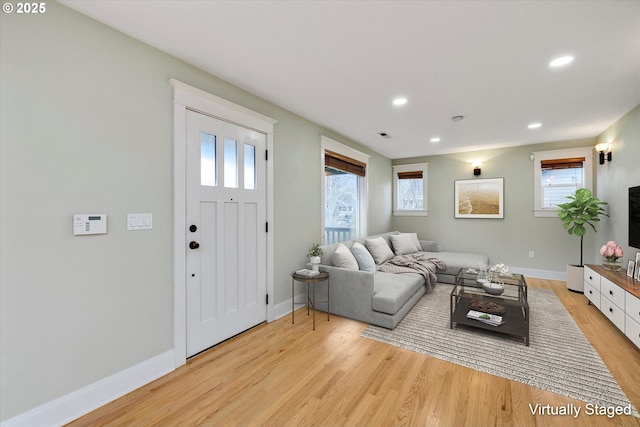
<point>139,221</point>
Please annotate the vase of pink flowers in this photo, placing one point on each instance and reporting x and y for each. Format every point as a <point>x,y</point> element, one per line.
<point>612,255</point>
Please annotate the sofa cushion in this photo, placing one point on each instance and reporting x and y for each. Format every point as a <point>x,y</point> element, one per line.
<point>328,250</point>
<point>379,249</point>
<point>403,244</point>
<point>414,238</point>
<point>392,291</point>
<point>385,236</point>
<point>363,258</point>
<point>342,257</point>
<point>429,245</point>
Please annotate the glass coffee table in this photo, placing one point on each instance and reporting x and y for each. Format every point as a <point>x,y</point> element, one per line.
<point>468,295</point>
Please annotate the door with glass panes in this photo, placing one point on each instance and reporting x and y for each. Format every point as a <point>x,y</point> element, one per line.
<point>226,235</point>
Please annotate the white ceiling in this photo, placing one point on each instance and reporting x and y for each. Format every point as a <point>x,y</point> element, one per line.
<point>340,63</point>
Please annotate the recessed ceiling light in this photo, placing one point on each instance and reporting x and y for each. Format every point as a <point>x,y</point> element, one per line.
<point>399,101</point>
<point>435,139</point>
<point>534,125</point>
<point>559,62</point>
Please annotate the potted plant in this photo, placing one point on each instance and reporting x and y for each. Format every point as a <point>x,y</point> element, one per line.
<point>314,253</point>
<point>582,210</point>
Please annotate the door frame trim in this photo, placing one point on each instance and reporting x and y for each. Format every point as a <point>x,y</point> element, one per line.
<point>186,97</point>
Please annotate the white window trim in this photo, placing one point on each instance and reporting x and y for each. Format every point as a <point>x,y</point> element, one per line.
<point>539,156</point>
<point>410,168</point>
<point>328,144</point>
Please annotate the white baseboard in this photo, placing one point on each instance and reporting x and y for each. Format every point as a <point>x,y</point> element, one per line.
<point>540,274</point>
<point>80,402</point>
<point>284,308</point>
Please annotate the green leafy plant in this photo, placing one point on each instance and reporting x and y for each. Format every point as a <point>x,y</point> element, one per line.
<point>315,250</point>
<point>582,210</point>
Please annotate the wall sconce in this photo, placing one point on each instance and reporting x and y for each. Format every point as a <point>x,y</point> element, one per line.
<point>476,169</point>
<point>604,148</point>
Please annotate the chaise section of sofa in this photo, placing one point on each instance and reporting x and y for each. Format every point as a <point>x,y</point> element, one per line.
<point>382,298</point>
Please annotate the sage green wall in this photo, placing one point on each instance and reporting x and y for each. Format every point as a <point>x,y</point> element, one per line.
<point>507,240</point>
<point>86,126</point>
<point>614,179</point>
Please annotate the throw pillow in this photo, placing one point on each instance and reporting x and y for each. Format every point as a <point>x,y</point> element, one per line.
<point>363,257</point>
<point>403,244</point>
<point>414,239</point>
<point>379,249</point>
<point>342,257</point>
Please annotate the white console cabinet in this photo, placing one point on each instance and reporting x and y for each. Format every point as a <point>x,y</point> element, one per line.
<point>617,296</point>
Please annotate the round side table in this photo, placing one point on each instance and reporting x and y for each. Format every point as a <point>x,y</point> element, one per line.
<point>311,301</point>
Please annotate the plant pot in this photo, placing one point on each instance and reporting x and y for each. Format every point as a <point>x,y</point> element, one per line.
<point>315,262</point>
<point>575,278</point>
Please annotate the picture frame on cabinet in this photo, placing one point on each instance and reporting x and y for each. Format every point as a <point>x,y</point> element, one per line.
<point>630,268</point>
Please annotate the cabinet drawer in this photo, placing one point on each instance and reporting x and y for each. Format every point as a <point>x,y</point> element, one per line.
<point>592,293</point>
<point>632,307</point>
<point>592,278</point>
<point>613,312</point>
<point>613,292</point>
<point>632,330</point>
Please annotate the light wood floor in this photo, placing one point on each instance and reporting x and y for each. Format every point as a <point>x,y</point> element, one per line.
<point>279,374</point>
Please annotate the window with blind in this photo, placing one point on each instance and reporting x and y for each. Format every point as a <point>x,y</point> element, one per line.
<point>558,174</point>
<point>344,192</point>
<point>410,189</point>
<point>560,178</point>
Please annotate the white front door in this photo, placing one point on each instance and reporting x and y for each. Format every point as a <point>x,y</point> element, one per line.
<point>226,230</point>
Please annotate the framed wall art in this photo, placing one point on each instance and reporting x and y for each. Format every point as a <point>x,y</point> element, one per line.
<point>479,198</point>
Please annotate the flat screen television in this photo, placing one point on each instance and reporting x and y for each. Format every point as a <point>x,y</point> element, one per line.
<point>634,217</point>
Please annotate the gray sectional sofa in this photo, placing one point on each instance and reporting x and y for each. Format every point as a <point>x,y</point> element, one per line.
<point>382,298</point>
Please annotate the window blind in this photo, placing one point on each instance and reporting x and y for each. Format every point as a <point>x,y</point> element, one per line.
<point>410,175</point>
<point>344,163</point>
<point>572,163</point>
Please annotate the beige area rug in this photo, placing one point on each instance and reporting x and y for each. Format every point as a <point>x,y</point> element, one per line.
<point>559,358</point>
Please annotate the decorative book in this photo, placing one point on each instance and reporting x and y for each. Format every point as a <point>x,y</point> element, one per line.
<point>307,273</point>
<point>489,319</point>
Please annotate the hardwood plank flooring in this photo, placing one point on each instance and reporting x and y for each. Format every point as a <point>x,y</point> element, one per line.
<point>279,374</point>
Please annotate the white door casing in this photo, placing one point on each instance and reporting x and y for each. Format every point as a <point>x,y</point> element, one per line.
<point>190,98</point>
